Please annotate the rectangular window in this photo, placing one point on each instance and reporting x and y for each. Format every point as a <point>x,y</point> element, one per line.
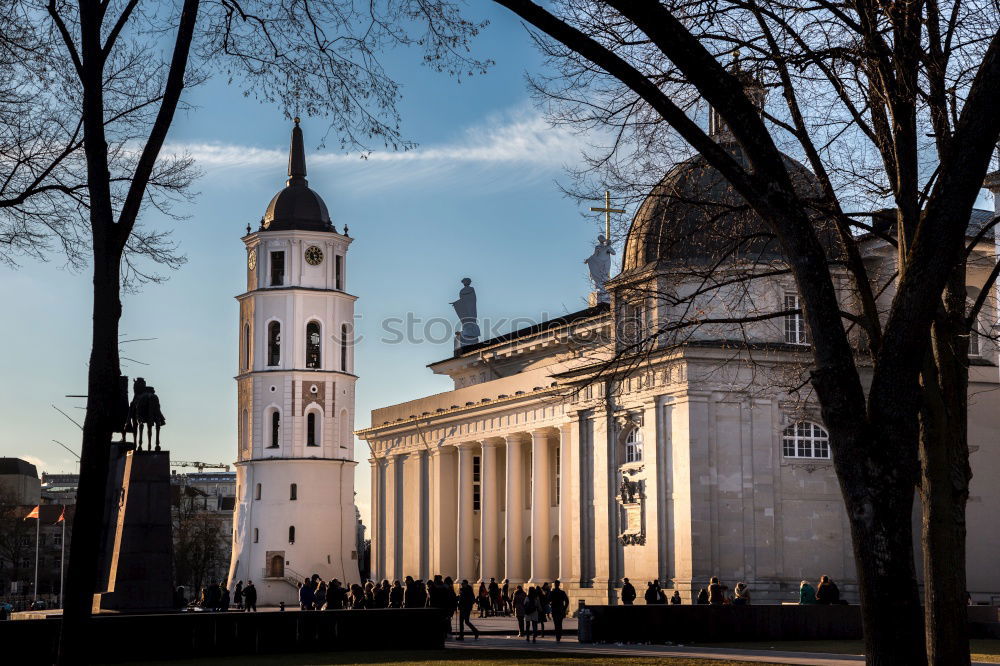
<point>557,455</point>
<point>973,340</point>
<point>277,269</point>
<point>795,324</point>
<point>338,276</point>
<point>255,535</point>
<point>476,461</point>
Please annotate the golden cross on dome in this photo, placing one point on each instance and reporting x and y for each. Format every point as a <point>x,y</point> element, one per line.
<point>607,210</point>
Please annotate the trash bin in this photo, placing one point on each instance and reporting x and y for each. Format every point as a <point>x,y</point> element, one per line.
<point>585,626</point>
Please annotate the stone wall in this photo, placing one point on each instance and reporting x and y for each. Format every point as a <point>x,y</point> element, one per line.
<point>206,635</point>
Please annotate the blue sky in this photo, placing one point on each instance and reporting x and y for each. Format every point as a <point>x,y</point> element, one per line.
<point>477,198</point>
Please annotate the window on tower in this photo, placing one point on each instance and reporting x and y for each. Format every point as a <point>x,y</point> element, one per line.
<point>275,429</point>
<point>291,534</point>
<point>246,346</point>
<point>277,269</point>
<point>274,343</point>
<point>256,535</point>
<point>339,272</point>
<point>344,332</point>
<point>293,492</point>
<point>313,345</point>
<point>256,492</point>
<point>311,429</point>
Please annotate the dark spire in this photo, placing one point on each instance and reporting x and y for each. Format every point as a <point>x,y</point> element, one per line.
<point>297,158</point>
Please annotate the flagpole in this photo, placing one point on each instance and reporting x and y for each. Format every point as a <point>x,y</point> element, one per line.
<point>38,532</point>
<point>62,558</point>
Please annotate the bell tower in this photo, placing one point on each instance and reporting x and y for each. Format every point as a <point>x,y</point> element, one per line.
<point>294,514</point>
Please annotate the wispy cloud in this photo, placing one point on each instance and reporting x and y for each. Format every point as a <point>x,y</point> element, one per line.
<point>515,138</point>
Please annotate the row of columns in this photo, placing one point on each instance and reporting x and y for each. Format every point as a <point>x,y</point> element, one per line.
<point>438,519</point>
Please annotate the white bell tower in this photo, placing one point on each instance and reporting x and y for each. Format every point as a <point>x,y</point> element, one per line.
<point>295,514</point>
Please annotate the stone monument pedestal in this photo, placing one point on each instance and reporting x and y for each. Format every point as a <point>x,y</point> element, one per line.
<point>138,563</point>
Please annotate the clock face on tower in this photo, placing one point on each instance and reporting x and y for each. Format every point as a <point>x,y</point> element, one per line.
<point>252,259</point>
<point>314,255</point>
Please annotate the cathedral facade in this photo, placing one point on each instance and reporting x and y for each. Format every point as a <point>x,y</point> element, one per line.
<point>587,449</point>
<point>295,513</point>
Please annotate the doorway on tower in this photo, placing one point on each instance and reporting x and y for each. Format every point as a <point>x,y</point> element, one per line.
<point>275,564</point>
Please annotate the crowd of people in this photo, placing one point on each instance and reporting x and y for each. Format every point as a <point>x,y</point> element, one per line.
<point>717,594</point>
<point>531,606</point>
<point>216,597</point>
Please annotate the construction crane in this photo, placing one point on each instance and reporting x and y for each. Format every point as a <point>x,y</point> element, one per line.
<point>200,466</point>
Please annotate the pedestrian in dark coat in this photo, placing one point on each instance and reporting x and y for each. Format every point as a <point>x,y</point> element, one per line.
<point>518,603</point>
<point>559,603</point>
<point>628,592</point>
<point>650,595</point>
<point>466,600</point>
<point>716,592</point>
<point>381,594</point>
<point>238,595</point>
<point>827,591</point>
<point>306,596</point>
<point>396,595</point>
<point>250,597</point>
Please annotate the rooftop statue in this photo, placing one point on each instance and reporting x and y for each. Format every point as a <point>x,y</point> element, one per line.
<point>599,264</point>
<point>465,308</point>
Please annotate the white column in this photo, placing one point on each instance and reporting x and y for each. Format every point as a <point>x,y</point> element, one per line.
<point>489,512</point>
<point>514,539</point>
<point>568,508</point>
<point>376,518</point>
<point>391,549</point>
<point>466,558</point>
<point>541,494</point>
<point>443,511</point>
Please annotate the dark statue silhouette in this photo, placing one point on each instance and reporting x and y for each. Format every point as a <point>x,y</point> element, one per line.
<point>144,411</point>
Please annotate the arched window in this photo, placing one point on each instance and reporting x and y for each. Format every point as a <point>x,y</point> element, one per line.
<point>805,439</point>
<point>311,439</point>
<point>246,346</point>
<point>293,492</point>
<point>256,492</point>
<point>633,445</point>
<point>274,343</point>
<point>245,430</point>
<point>313,345</point>
<point>291,534</point>
<point>343,347</point>
<point>275,429</point>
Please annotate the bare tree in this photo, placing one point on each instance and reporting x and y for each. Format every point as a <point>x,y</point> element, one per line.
<point>110,77</point>
<point>889,106</point>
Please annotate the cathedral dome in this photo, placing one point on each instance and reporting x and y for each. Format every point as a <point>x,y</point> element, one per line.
<point>694,216</point>
<point>297,207</point>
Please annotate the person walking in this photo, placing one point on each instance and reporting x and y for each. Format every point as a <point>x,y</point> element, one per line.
<point>518,604</point>
<point>559,602</point>
<point>250,597</point>
<point>532,610</point>
<point>381,594</point>
<point>661,597</point>
<point>505,596</point>
<point>238,595</point>
<point>628,592</point>
<point>466,600</point>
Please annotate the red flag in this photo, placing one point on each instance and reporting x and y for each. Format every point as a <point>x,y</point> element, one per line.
<point>33,514</point>
<point>62,516</point>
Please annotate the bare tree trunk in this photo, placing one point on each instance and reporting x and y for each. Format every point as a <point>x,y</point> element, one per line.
<point>98,427</point>
<point>944,483</point>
